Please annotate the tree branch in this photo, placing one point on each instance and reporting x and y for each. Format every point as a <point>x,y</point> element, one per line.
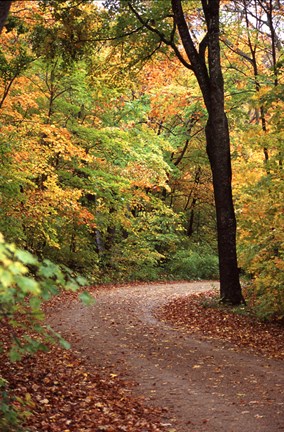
<point>202,46</point>
<point>196,59</point>
<point>161,36</point>
<point>236,50</point>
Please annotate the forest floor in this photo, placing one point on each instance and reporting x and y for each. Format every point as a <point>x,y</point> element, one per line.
<point>150,358</point>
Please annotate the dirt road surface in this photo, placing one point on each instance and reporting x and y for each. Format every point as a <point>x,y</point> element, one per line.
<point>202,385</point>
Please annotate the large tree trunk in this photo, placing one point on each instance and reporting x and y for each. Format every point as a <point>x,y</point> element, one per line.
<point>218,150</point>
<point>209,75</point>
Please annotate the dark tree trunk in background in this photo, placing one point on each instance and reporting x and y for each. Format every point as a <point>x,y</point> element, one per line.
<point>4,11</point>
<point>210,79</point>
<point>189,230</point>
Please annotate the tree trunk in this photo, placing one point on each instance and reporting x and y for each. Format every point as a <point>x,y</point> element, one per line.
<point>210,79</point>
<point>218,150</point>
<point>4,11</point>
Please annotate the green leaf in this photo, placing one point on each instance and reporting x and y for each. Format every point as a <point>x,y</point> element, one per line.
<point>14,354</point>
<point>35,302</point>
<point>48,269</point>
<point>17,268</point>
<point>6,278</point>
<point>64,343</point>
<point>71,285</point>
<point>25,257</point>
<point>81,280</point>
<point>86,298</point>
<point>28,285</point>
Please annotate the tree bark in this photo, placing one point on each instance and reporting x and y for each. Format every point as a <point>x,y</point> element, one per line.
<point>4,11</point>
<point>210,79</point>
<point>218,150</point>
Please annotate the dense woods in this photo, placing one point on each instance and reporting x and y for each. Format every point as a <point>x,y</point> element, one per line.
<point>135,137</point>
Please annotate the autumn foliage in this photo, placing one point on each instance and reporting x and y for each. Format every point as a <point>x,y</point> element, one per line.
<point>104,172</point>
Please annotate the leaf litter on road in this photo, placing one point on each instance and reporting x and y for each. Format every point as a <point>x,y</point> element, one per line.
<point>64,394</point>
<point>194,314</point>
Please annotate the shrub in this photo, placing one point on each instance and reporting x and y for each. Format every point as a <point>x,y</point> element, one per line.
<point>189,264</point>
<point>25,283</point>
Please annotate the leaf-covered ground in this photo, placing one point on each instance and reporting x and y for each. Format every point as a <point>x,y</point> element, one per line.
<point>64,393</point>
<point>199,314</point>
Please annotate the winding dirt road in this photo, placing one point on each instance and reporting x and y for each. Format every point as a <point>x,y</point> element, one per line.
<point>203,385</point>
